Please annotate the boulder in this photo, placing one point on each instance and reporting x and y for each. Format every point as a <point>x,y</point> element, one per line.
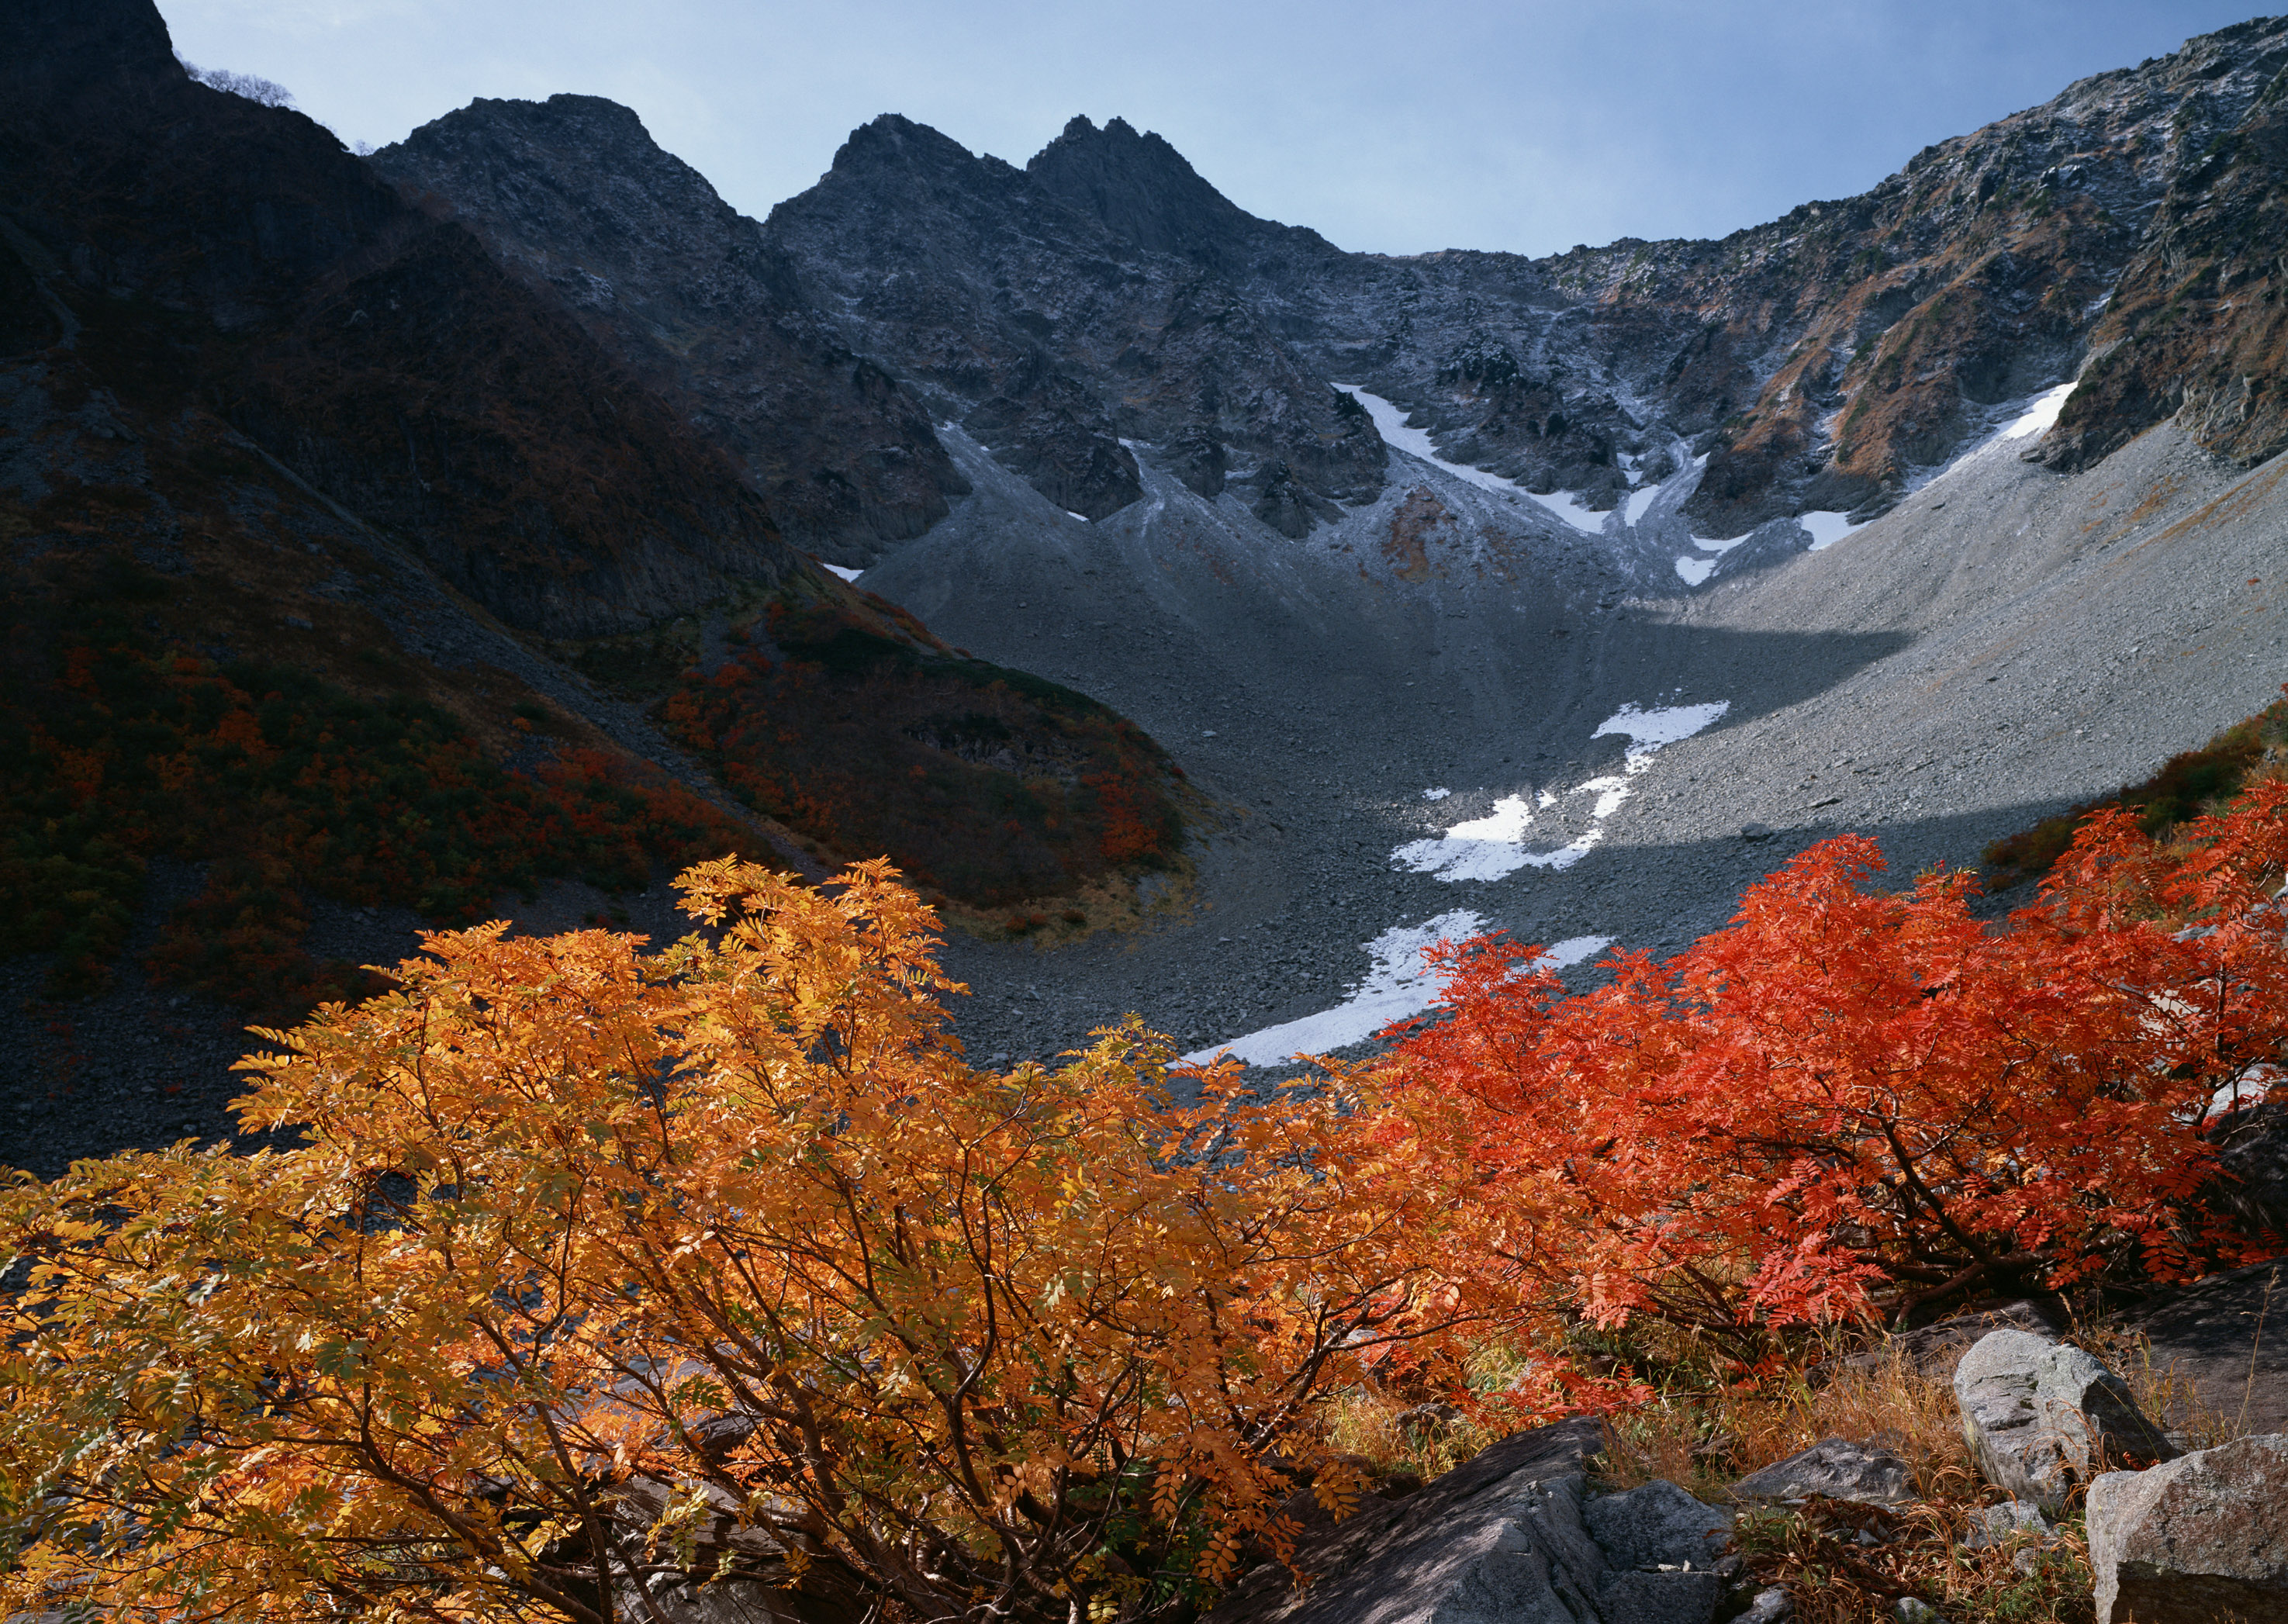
<point>1500,1539</point>
<point>2202,1538</point>
<point>1658,1525</point>
<point>2044,1416</point>
<point>1665,1545</point>
<point>1512,1537</point>
<point>1658,1598</point>
<point>1999,1525</point>
<point>1835,1467</point>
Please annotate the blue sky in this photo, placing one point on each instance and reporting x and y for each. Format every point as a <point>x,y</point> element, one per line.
<point>1398,129</point>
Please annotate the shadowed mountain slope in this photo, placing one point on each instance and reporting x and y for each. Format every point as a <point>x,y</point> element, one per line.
<point>574,196</point>
<point>246,264</point>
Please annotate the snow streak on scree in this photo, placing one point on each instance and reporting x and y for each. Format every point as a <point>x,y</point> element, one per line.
<point>1399,986</point>
<point>1494,846</point>
<point>1486,848</point>
<point>1390,422</point>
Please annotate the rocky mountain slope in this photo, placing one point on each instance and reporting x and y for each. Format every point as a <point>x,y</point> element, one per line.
<point>1467,591</point>
<point>242,262</point>
<point>573,196</point>
<point>1106,303</point>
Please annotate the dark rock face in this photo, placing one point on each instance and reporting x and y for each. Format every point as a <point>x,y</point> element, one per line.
<point>1055,339</point>
<point>249,264</point>
<point>1511,1535</point>
<point>574,196</point>
<point>2221,1337</point>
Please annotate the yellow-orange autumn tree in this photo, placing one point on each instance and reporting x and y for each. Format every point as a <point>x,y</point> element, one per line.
<point>590,1255</point>
<point>587,1249</point>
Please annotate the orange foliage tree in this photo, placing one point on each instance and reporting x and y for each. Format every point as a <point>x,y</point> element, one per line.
<point>1851,1103</point>
<point>733,1227</point>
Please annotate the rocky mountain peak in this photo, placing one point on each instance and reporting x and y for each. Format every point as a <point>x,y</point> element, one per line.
<point>892,144</point>
<point>63,47</point>
<point>574,196</point>
<point>1148,196</point>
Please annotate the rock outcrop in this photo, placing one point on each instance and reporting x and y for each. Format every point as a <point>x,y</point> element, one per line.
<point>2201,1539</point>
<point>1837,1469</point>
<point>1510,1537</point>
<point>2043,1417</point>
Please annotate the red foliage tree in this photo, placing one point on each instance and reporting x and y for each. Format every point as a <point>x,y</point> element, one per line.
<point>1854,1102</point>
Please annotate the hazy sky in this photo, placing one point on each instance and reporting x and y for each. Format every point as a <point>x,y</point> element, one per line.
<point>1530,125</point>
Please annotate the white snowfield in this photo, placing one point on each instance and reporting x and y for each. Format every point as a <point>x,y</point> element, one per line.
<point>1826,530</point>
<point>1695,570</point>
<point>2041,415</point>
<point>1486,848</point>
<point>1493,847</point>
<point>847,574</point>
<point>1401,984</point>
<point>1390,422</point>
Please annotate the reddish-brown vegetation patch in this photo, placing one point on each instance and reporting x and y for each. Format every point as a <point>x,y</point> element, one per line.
<point>987,784</point>
<point>118,746</point>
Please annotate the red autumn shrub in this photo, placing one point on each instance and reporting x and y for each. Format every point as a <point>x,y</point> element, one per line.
<point>1852,1102</point>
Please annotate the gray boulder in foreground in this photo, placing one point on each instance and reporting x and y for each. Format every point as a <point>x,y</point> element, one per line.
<point>1835,1467</point>
<point>2203,1538</point>
<point>1512,1537</point>
<point>2042,1416</point>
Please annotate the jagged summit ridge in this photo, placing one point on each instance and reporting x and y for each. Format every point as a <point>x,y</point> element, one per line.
<point>573,195</point>
<point>1106,303</point>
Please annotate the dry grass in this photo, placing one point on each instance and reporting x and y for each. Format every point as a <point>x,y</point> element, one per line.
<point>1843,1562</point>
<point>1703,1441</point>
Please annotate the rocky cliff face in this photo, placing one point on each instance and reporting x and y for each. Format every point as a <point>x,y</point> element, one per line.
<point>2195,326</point>
<point>574,196</point>
<point>1822,359</point>
<point>1055,341</point>
<point>190,248</point>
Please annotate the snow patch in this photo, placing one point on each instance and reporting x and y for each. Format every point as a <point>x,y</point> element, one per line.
<point>1695,570</point>
<point>1493,847</point>
<point>1639,501</point>
<point>1436,795</point>
<point>847,574</point>
<point>2040,416</point>
<point>1568,506</point>
<point>1647,730</point>
<point>1826,528</point>
<point>1573,950</point>
<point>1399,986</point>
<point>1390,422</point>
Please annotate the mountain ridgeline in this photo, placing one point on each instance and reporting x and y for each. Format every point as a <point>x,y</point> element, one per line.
<point>1106,303</point>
